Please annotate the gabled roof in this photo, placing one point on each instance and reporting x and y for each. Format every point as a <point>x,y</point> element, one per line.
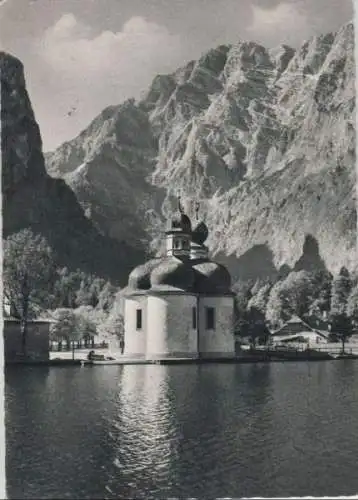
<point>296,319</point>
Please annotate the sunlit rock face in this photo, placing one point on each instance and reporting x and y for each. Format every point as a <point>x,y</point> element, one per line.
<point>264,138</point>
<point>33,199</point>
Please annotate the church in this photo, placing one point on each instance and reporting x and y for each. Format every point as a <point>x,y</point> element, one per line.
<point>180,304</point>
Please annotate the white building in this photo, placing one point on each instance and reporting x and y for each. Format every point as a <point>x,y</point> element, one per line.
<point>298,332</point>
<point>180,304</point>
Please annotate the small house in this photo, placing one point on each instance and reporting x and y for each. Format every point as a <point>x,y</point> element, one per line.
<point>298,331</point>
<point>37,339</point>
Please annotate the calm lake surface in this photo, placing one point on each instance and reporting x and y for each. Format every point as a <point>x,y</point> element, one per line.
<point>279,429</point>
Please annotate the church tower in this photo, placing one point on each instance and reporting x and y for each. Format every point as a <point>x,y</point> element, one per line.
<point>178,234</point>
<point>180,305</point>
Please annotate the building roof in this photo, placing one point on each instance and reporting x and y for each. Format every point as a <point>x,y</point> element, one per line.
<point>173,272</point>
<point>294,320</point>
<point>190,275</point>
<point>211,276</point>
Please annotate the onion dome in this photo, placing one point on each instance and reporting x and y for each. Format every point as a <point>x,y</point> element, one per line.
<point>139,278</point>
<point>211,277</point>
<point>200,233</point>
<point>179,222</point>
<point>174,273</point>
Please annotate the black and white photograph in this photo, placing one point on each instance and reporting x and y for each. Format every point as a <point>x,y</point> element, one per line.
<point>179,249</point>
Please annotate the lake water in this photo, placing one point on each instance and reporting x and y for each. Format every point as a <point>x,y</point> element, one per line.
<point>206,431</point>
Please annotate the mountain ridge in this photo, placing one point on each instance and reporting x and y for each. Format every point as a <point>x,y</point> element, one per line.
<point>33,199</point>
<point>263,138</point>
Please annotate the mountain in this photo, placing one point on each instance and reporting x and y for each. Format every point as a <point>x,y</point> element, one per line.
<point>31,198</point>
<point>263,138</point>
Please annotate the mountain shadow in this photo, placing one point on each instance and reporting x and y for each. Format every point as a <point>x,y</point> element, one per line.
<point>258,263</point>
<point>255,264</point>
<point>310,259</point>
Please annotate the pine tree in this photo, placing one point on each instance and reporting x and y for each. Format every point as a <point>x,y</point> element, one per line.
<point>341,289</point>
<point>352,306</point>
<point>341,324</point>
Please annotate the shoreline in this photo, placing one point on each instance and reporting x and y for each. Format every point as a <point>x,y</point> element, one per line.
<point>274,358</point>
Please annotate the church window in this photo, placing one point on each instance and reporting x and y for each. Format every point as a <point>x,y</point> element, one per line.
<point>139,319</point>
<point>177,244</point>
<point>194,317</point>
<point>210,318</point>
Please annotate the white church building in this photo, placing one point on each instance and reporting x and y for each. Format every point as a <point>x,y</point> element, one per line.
<point>180,304</point>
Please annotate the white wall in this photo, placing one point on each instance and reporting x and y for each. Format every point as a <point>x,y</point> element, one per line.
<point>135,340</point>
<point>170,331</point>
<point>220,341</point>
<point>310,337</point>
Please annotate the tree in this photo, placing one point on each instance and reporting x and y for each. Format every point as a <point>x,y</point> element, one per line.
<point>259,300</point>
<point>114,324</point>
<point>341,289</point>
<point>28,272</point>
<point>291,296</point>
<point>107,296</point>
<point>242,295</point>
<point>341,327</point>
<point>95,288</point>
<point>66,286</point>
<point>87,320</point>
<point>257,329</point>
<point>352,306</point>
<point>66,327</point>
<point>321,297</point>
<point>83,295</point>
<point>275,306</point>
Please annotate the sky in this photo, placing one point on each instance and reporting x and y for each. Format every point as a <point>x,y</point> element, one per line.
<point>83,55</point>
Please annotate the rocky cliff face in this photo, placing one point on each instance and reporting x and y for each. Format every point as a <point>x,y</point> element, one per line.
<point>31,198</point>
<point>264,139</point>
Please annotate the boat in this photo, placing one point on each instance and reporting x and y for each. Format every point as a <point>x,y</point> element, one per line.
<point>104,362</point>
<point>100,359</point>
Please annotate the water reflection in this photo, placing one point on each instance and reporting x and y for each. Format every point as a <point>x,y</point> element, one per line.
<point>144,431</point>
<point>182,431</point>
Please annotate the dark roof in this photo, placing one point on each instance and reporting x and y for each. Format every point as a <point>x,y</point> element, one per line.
<point>173,272</point>
<point>211,276</point>
<point>200,233</point>
<point>139,278</point>
<point>192,276</point>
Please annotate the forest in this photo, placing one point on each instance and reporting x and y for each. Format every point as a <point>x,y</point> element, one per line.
<point>83,304</point>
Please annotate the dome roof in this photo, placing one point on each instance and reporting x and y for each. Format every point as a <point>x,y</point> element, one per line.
<point>173,272</point>
<point>211,277</point>
<point>139,278</point>
<point>200,233</point>
<point>179,222</point>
